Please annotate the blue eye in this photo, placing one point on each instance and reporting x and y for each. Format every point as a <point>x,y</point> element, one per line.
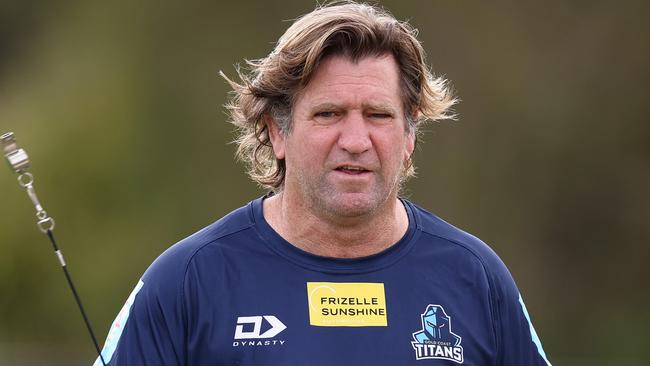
<point>327,114</point>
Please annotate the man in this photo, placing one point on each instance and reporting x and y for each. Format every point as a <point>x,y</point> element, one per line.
<point>331,267</point>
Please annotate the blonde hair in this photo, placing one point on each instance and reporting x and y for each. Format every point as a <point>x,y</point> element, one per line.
<point>346,28</point>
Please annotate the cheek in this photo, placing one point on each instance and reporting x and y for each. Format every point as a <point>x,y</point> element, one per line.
<point>393,151</point>
<point>305,154</point>
<point>315,147</point>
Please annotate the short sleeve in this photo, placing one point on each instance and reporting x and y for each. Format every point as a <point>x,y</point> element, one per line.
<point>150,329</point>
<point>517,339</point>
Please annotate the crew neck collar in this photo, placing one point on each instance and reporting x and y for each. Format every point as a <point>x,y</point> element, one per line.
<point>315,262</point>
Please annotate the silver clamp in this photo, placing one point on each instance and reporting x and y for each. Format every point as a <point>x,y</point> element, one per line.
<point>19,161</point>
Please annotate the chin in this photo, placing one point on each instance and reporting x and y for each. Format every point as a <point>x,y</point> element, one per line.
<point>352,204</point>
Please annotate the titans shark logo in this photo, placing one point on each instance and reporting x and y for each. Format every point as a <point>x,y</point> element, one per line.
<point>436,340</point>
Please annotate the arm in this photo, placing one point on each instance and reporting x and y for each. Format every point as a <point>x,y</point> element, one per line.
<point>517,339</point>
<point>150,329</point>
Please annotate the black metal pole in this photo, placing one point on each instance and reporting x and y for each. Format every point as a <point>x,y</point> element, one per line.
<point>76,295</point>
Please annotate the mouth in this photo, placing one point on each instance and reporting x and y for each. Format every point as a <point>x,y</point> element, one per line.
<point>351,169</point>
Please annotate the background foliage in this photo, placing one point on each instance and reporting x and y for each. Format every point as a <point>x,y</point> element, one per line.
<point>120,107</point>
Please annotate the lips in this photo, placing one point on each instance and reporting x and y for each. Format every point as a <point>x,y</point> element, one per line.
<point>351,169</point>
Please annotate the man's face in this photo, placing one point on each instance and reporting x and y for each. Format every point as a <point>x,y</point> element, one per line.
<point>348,144</point>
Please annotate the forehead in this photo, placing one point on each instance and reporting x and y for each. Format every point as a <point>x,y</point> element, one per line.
<point>339,80</point>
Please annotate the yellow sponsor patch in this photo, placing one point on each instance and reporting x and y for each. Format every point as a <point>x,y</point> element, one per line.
<point>347,304</point>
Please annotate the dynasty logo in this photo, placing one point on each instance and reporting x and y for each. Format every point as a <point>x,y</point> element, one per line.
<point>436,340</point>
<point>254,336</point>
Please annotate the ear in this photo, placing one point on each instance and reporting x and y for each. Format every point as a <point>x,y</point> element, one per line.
<point>410,137</point>
<point>410,145</point>
<point>276,136</point>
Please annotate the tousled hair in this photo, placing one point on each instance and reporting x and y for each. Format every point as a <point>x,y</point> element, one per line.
<point>268,88</point>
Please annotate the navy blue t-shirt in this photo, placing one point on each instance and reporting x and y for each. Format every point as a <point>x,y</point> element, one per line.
<point>237,293</point>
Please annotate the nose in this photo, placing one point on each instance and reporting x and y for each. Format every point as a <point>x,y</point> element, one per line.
<point>355,135</point>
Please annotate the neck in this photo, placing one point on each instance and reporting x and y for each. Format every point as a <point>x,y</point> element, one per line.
<point>347,237</point>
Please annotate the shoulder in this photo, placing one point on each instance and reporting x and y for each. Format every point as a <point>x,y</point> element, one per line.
<point>515,336</point>
<point>466,251</point>
<point>433,225</point>
<point>172,264</point>
<point>157,310</point>
<point>462,245</point>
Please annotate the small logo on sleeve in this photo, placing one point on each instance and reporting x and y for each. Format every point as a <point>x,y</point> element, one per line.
<point>118,327</point>
<point>436,340</point>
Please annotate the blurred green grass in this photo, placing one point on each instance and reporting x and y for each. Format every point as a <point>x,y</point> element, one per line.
<point>120,107</point>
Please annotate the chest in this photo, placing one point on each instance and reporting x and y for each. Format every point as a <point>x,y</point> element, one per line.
<point>401,316</point>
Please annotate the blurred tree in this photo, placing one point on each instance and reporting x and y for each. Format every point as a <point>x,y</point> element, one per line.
<point>119,106</point>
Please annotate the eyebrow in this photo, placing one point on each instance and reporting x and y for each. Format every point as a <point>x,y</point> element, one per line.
<point>372,106</point>
<point>324,105</point>
<point>385,107</point>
